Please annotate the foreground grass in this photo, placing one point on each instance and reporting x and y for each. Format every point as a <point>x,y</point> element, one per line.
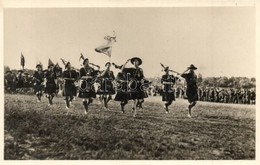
<point>217,131</point>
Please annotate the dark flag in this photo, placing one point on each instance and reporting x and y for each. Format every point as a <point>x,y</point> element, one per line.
<point>63,61</point>
<point>50,62</point>
<point>57,65</point>
<point>22,61</point>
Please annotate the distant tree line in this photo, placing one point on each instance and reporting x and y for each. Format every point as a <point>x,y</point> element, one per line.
<point>225,82</point>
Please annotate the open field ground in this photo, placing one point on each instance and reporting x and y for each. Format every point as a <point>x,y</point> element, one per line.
<point>216,131</point>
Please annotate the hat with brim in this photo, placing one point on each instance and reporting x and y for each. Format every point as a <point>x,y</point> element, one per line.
<point>136,59</point>
<point>192,67</point>
<point>38,65</point>
<point>8,71</point>
<point>86,59</point>
<point>108,63</point>
<point>20,71</point>
<point>51,65</point>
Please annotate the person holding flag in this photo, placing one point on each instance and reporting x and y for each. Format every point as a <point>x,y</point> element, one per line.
<point>38,78</point>
<point>106,89</point>
<point>70,90</point>
<point>51,82</point>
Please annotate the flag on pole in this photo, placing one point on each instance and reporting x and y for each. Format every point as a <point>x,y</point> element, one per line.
<point>22,61</point>
<point>107,48</point>
<point>81,57</point>
<point>57,65</point>
<point>63,61</point>
<point>50,62</point>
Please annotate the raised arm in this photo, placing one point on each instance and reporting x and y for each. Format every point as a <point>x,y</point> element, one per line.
<point>185,71</point>
<point>125,64</point>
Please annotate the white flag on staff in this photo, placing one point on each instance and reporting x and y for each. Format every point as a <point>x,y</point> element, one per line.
<point>107,48</point>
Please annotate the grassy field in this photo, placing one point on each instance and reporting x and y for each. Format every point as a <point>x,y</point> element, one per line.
<point>216,131</point>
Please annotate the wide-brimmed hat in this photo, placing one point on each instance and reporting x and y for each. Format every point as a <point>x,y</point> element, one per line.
<point>108,63</point>
<point>138,59</point>
<point>51,65</point>
<point>192,67</point>
<point>39,65</point>
<point>85,60</point>
<point>20,71</point>
<point>8,71</point>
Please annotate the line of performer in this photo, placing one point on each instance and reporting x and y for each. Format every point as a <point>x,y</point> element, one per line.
<point>129,84</point>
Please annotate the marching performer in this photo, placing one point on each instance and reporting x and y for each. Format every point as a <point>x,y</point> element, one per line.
<point>87,89</point>
<point>137,83</point>
<point>106,89</point>
<point>19,81</point>
<point>51,83</point>
<point>38,77</point>
<point>131,83</point>
<point>192,88</point>
<point>168,94</point>
<point>70,90</point>
<point>123,92</point>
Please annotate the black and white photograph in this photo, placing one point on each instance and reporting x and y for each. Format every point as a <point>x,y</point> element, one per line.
<point>129,83</point>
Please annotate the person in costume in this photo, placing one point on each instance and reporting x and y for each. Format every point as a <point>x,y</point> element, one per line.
<point>38,78</point>
<point>51,83</point>
<point>192,88</point>
<point>19,81</point>
<point>87,89</point>
<point>138,92</point>
<point>168,94</point>
<point>106,89</point>
<point>70,91</point>
<point>131,85</point>
<point>123,92</point>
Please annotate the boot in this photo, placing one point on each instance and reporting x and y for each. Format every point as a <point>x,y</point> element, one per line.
<point>85,104</point>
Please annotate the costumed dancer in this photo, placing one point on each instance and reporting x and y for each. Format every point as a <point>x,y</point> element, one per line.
<point>168,93</point>
<point>122,80</point>
<point>19,81</point>
<point>106,89</point>
<point>87,89</point>
<point>51,83</point>
<point>70,90</point>
<point>38,77</point>
<point>137,85</point>
<point>192,88</point>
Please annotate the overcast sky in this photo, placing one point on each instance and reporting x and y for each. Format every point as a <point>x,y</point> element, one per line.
<point>220,41</point>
